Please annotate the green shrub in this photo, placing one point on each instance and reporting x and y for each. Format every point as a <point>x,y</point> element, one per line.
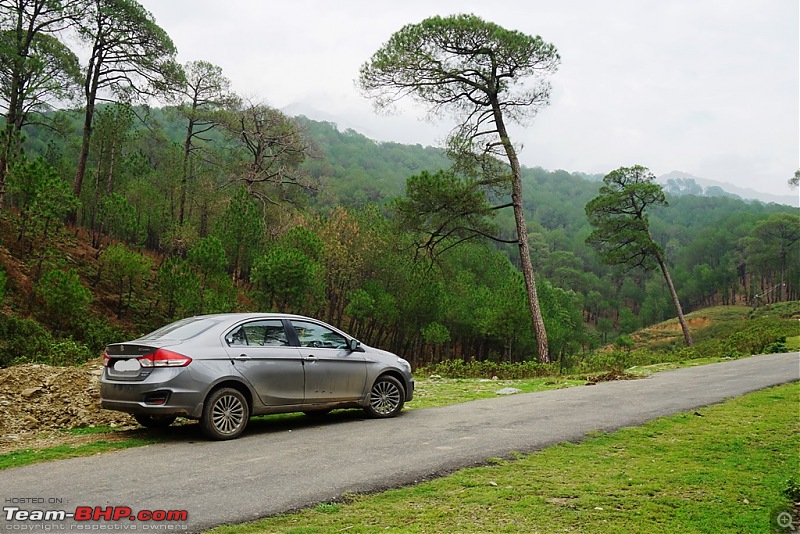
<point>779,309</point>
<point>127,272</point>
<point>27,341</point>
<point>65,299</point>
<point>68,352</point>
<point>23,340</point>
<point>96,333</point>
<point>615,361</point>
<point>488,369</point>
<point>624,342</point>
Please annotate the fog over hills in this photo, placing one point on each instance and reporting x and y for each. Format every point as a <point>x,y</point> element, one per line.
<point>677,182</point>
<point>674,182</point>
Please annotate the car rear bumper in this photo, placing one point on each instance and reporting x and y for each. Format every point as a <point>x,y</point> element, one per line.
<point>172,406</point>
<point>166,392</point>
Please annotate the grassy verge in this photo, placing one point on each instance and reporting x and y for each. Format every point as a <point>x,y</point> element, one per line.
<point>722,468</point>
<point>434,392</point>
<point>61,452</point>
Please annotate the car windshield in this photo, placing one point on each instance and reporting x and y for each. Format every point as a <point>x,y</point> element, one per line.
<point>183,329</point>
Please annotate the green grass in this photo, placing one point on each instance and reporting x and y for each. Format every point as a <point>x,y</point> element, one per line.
<point>793,343</point>
<point>61,452</point>
<point>722,468</point>
<point>430,393</point>
<point>85,430</point>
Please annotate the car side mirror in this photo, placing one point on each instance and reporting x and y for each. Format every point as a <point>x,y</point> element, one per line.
<point>354,345</point>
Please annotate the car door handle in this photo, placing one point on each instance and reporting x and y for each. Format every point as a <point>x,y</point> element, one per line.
<point>242,357</point>
<point>311,358</point>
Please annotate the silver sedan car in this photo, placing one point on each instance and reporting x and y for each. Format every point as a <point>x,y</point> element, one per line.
<point>222,369</point>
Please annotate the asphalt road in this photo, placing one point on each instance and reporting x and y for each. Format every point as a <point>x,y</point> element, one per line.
<point>274,469</point>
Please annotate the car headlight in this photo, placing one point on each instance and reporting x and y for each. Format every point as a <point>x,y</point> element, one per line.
<point>404,363</point>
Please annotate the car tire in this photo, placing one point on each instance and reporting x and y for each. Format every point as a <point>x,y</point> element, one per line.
<point>154,421</point>
<point>386,397</point>
<point>225,414</point>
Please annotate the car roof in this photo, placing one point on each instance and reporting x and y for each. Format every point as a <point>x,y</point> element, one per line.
<point>248,315</point>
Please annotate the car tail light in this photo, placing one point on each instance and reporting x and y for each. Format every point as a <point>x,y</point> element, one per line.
<point>106,358</point>
<point>164,358</point>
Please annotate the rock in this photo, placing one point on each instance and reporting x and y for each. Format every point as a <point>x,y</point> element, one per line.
<point>508,391</point>
<point>31,420</point>
<point>30,392</point>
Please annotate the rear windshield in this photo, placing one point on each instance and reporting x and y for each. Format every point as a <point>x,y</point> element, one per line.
<point>183,329</point>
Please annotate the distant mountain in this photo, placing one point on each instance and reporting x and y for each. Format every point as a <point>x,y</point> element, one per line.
<point>681,183</point>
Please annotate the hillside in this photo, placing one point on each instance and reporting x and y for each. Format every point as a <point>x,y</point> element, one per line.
<point>329,227</point>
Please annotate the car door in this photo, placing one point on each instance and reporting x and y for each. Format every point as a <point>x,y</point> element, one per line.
<point>333,373</point>
<point>261,352</point>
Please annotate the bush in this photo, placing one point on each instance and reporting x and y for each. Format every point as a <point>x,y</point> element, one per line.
<point>624,342</point>
<point>65,298</point>
<point>23,340</point>
<point>27,341</point>
<point>68,352</point>
<point>614,361</point>
<point>127,271</point>
<point>778,309</point>
<point>488,369</point>
<point>759,335</point>
<point>97,333</point>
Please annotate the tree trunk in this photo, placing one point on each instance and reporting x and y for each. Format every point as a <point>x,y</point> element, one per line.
<point>14,116</point>
<point>522,236</point>
<point>187,148</point>
<point>4,155</point>
<point>77,184</point>
<point>95,231</point>
<point>684,326</point>
<point>90,90</point>
<point>783,275</point>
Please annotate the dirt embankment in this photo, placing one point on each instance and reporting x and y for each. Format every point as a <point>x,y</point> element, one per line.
<point>38,402</point>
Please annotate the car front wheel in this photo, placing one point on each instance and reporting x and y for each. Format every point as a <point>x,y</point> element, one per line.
<point>386,398</point>
<point>225,414</point>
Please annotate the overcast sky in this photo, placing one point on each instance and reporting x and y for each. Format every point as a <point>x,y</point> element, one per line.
<point>708,87</point>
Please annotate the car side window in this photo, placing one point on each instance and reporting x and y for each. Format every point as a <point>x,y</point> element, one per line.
<point>314,335</point>
<point>268,333</point>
